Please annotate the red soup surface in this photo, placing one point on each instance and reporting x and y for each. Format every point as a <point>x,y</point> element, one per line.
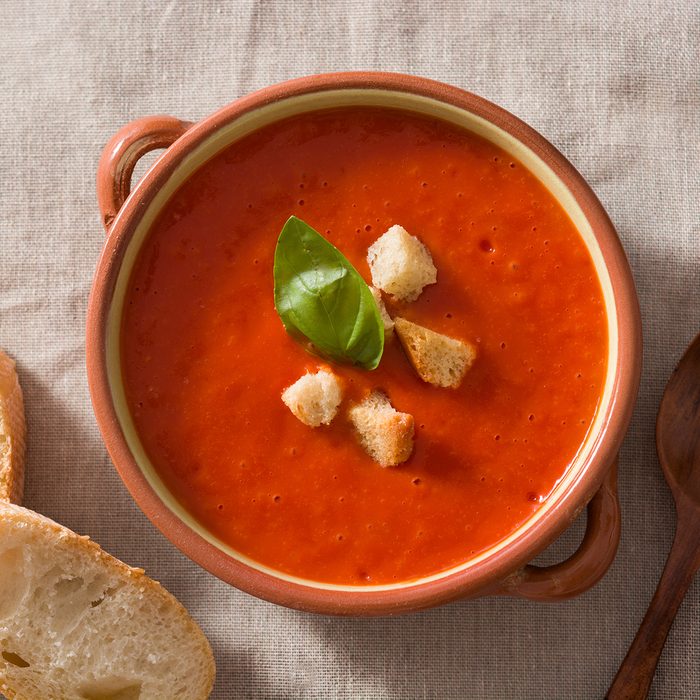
<point>205,356</point>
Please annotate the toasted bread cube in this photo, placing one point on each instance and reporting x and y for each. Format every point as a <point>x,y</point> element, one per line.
<point>437,358</point>
<point>384,433</point>
<point>400,264</point>
<point>314,398</point>
<point>386,319</point>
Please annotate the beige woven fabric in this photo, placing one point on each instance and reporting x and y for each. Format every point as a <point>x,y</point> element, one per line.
<point>615,85</point>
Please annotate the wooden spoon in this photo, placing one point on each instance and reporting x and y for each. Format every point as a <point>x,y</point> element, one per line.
<point>678,446</point>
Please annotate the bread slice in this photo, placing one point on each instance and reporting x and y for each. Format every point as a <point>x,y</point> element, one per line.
<point>386,319</point>
<point>400,264</point>
<point>314,398</point>
<point>384,433</point>
<point>77,624</point>
<point>437,358</point>
<point>12,432</point>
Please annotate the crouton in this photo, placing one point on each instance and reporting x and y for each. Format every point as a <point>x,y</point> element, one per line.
<point>437,358</point>
<point>386,319</point>
<point>400,264</point>
<point>314,398</point>
<point>384,433</point>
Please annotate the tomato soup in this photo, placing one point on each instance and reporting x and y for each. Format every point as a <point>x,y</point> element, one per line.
<point>205,356</point>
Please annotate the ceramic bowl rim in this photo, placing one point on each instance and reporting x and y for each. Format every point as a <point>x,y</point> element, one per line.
<point>475,580</point>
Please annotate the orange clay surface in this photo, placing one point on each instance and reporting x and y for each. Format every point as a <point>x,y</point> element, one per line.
<point>205,356</point>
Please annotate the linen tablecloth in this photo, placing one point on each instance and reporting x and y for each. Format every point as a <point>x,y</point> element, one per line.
<point>614,85</point>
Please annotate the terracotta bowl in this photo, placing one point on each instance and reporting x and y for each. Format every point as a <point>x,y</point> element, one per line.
<point>504,569</point>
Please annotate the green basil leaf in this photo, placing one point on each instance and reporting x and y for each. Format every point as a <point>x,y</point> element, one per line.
<point>320,296</point>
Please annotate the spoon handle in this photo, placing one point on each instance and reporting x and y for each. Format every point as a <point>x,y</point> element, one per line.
<point>637,670</point>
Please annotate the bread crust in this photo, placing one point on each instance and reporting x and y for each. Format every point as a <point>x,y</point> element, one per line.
<point>12,432</point>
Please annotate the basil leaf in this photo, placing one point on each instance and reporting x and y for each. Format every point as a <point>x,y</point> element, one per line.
<point>320,296</point>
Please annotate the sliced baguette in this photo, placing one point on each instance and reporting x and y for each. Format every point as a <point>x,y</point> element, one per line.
<point>77,624</point>
<point>12,432</point>
<point>384,433</point>
<point>437,358</point>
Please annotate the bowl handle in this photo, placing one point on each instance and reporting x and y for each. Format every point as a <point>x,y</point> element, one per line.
<point>587,565</point>
<point>121,154</point>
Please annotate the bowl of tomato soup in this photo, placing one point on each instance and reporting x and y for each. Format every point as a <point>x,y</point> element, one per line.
<point>187,357</point>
